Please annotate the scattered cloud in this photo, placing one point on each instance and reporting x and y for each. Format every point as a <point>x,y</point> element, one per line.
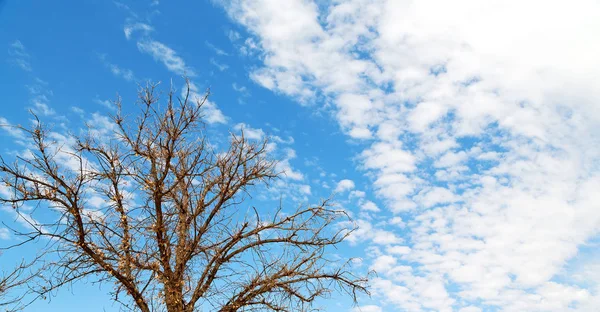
<point>479,135</point>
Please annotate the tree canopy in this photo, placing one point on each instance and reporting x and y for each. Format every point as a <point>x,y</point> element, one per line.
<point>157,211</point>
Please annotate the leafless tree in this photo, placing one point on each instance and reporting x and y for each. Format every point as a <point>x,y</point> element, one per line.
<point>18,277</point>
<point>170,231</point>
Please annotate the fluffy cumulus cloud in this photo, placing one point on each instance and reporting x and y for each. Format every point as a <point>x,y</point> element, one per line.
<point>344,185</point>
<point>479,125</point>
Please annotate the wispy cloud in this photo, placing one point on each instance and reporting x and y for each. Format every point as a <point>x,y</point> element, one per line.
<point>215,49</point>
<point>40,102</point>
<point>105,103</point>
<point>176,64</point>
<point>212,113</point>
<point>130,28</point>
<point>41,108</point>
<point>118,71</point>
<point>12,130</point>
<point>243,91</point>
<point>126,8</point>
<point>240,89</point>
<point>233,35</point>
<point>219,66</point>
<point>19,56</point>
<point>162,53</point>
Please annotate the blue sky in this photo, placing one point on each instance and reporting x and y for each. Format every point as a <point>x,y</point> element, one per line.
<point>464,146</point>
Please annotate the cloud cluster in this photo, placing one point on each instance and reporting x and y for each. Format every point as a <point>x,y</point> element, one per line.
<point>479,125</point>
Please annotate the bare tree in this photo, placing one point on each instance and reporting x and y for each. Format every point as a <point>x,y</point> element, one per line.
<point>170,230</point>
<point>18,277</point>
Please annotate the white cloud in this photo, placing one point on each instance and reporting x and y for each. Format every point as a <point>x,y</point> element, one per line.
<point>41,108</point>
<point>101,126</point>
<point>435,196</point>
<point>284,167</point>
<point>305,189</point>
<point>365,232</point>
<point>11,129</point>
<point>367,308</point>
<point>4,234</point>
<point>129,29</point>
<point>105,103</point>
<point>397,221</point>
<point>162,53</point>
<point>384,263</point>
<point>215,49</point>
<point>388,157</point>
<point>249,48</point>
<point>451,159</point>
<point>116,70</point>
<point>369,206</point>
<point>249,132</point>
<point>422,86</point>
<point>219,66</point>
<point>398,250</point>
<point>233,35</point>
<point>212,114</point>
<point>240,89</point>
<point>19,55</point>
<point>174,63</point>
<point>344,185</point>
<point>356,194</point>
